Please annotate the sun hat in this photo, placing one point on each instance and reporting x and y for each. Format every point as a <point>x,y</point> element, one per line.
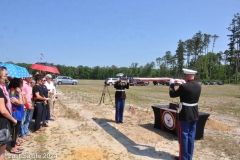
<point>48,76</point>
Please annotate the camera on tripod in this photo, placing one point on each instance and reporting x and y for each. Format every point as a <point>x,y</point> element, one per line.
<point>122,80</point>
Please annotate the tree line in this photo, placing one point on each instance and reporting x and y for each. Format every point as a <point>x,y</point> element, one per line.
<point>194,53</point>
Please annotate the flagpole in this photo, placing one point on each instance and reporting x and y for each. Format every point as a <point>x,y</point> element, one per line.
<point>41,58</point>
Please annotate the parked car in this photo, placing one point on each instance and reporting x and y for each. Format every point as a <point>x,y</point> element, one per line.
<point>213,83</point>
<point>206,83</point>
<point>138,82</point>
<point>158,82</point>
<point>220,83</point>
<point>199,82</point>
<point>65,80</point>
<point>110,81</point>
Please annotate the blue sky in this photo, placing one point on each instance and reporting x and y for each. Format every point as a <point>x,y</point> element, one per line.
<point>107,32</point>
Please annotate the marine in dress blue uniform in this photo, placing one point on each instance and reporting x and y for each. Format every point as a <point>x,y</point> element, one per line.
<point>189,94</point>
<point>120,97</point>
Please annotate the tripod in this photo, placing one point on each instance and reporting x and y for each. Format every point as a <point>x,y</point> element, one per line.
<point>103,94</point>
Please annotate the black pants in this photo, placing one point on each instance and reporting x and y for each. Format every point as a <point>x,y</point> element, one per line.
<point>15,131</point>
<point>46,112</point>
<point>38,111</point>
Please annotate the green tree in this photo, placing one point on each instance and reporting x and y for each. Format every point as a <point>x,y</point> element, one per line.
<point>189,50</point>
<point>159,62</point>
<point>180,52</point>
<point>206,42</point>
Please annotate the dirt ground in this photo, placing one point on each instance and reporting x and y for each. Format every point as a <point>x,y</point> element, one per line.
<point>86,131</point>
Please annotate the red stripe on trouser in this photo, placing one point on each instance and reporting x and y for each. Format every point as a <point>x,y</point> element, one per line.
<point>180,141</point>
<point>115,109</point>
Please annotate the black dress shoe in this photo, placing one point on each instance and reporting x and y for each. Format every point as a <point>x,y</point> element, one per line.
<point>176,157</point>
<point>117,122</point>
<point>120,122</point>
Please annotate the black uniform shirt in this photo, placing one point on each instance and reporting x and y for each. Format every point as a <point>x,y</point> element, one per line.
<point>188,93</point>
<point>120,89</point>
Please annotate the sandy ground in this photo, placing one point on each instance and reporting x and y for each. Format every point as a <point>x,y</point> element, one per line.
<point>95,136</point>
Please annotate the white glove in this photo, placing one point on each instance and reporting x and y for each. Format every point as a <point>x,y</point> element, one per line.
<point>183,81</point>
<point>171,81</point>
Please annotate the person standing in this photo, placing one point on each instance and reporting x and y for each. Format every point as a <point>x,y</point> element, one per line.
<point>28,108</point>
<point>51,92</point>
<point>189,94</point>
<point>120,97</point>
<point>6,118</point>
<point>46,109</point>
<point>39,101</point>
<point>17,112</point>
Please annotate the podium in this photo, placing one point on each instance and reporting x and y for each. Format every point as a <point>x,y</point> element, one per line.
<point>166,119</point>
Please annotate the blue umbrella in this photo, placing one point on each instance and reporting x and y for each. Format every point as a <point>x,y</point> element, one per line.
<point>15,71</point>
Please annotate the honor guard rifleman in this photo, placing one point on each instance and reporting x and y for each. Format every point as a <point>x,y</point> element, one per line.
<point>189,94</point>
<point>120,97</point>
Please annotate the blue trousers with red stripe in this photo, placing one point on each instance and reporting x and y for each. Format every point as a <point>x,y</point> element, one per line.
<point>186,139</point>
<point>120,102</point>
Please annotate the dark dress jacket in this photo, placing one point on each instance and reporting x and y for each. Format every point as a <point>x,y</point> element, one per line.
<point>120,89</point>
<point>189,93</point>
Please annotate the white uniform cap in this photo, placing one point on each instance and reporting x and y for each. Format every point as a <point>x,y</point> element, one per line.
<point>119,74</point>
<point>189,71</point>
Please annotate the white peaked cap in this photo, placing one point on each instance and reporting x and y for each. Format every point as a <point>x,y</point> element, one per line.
<point>189,71</point>
<point>119,74</point>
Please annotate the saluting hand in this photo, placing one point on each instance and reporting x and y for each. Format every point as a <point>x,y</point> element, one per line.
<point>171,81</point>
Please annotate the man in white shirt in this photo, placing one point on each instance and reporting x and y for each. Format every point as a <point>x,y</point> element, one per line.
<point>51,92</point>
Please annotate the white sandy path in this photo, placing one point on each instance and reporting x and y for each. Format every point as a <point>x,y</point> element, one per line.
<point>109,137</point>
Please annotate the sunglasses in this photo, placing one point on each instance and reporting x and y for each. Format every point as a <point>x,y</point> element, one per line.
<point>43,80</point>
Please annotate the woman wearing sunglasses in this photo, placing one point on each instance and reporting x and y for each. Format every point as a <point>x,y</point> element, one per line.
<point>39,100</point>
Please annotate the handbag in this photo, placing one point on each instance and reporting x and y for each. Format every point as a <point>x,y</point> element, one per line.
<point>5,136</point>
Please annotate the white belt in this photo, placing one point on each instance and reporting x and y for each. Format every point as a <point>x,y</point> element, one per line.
<point>188,104</point>
<point>120,90</point>
<point>185,104</point>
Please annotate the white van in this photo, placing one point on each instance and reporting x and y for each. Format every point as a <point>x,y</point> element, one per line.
<point>65,80</point>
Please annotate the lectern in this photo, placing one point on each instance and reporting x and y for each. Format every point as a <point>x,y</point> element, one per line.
<point>166,119</point>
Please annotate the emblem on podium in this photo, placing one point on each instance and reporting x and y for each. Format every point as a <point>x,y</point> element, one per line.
<point>168,120</point>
